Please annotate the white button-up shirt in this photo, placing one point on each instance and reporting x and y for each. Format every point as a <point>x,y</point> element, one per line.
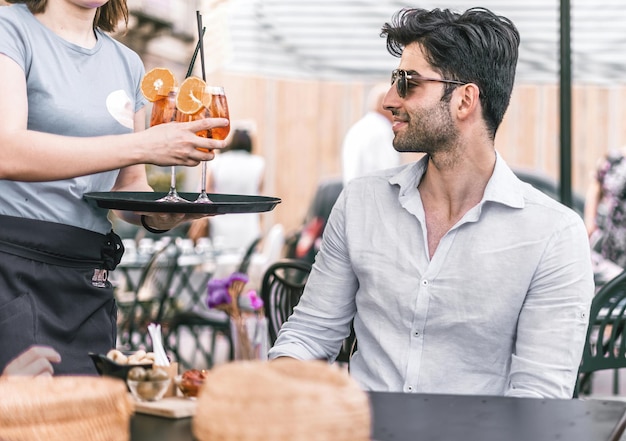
<point>501,309</point>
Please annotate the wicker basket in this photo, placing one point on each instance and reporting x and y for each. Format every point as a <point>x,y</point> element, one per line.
<point>281,400</point>
<point>64,408</point>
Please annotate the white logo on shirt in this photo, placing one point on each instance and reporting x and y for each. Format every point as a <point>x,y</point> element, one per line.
<point>120,107</point>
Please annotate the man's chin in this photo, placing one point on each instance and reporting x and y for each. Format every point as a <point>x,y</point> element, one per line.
<point>403,147</point>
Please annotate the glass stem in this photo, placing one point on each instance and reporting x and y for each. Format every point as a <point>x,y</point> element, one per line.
<point>203,197</point>
<point>203,177</point>
<point>173,181</point>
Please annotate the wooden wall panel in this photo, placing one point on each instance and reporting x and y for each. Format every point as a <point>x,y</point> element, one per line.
<point>528,127</point>
<point>549,153</point>
<point>591,144</point>
<point>620,120</point>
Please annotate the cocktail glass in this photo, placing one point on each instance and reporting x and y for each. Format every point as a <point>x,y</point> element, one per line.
<point>164,111</point>
<point>215,106</point>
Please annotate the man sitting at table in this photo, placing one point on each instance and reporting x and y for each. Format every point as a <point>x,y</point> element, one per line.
<point>459,278</point>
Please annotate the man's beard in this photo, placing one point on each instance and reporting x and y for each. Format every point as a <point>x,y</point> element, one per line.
<point>428,131</point>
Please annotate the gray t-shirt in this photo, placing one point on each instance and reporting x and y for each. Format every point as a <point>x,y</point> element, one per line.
<point>72,91</point>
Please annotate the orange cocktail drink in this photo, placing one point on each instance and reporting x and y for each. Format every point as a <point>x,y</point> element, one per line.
<point>196,100</point>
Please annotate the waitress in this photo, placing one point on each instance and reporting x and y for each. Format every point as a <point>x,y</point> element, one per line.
<point>72,121</point>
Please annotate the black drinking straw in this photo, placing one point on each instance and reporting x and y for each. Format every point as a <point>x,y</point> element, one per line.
<point>201,37</point>
<point>194,56</point>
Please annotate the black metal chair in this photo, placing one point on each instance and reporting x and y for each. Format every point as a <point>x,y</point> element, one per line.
<point>201,330</point>
<point>192,338</point>
<point>282,285</point>
<point>348,347</point>
<point>281,289</point>
<point>151,300</point>
<point>605,345</point>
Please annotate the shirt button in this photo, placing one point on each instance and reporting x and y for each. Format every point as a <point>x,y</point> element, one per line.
<point>416,333</point>
<point>409,388</point>
<point>424,282</point>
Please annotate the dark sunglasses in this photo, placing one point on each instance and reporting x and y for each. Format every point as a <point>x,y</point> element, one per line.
<point>401,78</point>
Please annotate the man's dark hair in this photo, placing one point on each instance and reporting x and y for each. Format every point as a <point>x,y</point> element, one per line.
<point>477,47</point>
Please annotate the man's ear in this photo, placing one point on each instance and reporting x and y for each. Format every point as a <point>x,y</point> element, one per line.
<point>468,100</point>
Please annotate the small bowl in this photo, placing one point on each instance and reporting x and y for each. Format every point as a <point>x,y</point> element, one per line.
<point>148,390</point>
<point>189,386</point>
<point>107,367</point>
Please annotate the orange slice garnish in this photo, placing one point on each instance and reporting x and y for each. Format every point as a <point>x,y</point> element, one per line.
<point>157,83</point>
<point>207,98</point>
<point>189,98</point>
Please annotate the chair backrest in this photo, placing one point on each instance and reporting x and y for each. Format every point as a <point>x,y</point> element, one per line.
<point>348,347</point>
<point>247,256</point>
<point>151,296</point>
<point>605,344</point>
<point>281,288</point>
<point>273,243</point>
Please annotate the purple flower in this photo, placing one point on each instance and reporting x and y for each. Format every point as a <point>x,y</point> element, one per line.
<point>217,292</point>
<point>218,297</point>
<point>217,284</point>
<point>237,277</point>
<point>250,301</point>
<point>255,301</point>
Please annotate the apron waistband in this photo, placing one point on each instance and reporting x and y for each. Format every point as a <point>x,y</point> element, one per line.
<point>59,244</point>
<point>42,256</point>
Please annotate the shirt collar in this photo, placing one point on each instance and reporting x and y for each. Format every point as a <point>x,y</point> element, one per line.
<point>503,187</point>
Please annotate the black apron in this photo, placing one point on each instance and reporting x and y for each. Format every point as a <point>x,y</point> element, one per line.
<point>54,291</point>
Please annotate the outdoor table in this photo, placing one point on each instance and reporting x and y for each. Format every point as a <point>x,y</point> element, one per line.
<point>171,282</point>
<point>189,281</point>
<point>403,417</point>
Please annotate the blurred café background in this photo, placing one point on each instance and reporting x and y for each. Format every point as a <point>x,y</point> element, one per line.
<point>297,73</point>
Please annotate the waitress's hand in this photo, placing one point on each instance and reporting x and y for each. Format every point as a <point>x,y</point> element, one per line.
<point>35,361</point>
<point>162,222</point>
<point>179,143</point>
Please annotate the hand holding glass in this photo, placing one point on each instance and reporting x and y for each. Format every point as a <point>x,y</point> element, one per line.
<point>215,106</point>
<point>164,111</point>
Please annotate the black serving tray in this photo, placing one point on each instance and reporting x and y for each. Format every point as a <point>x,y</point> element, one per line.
<point>147,201</point>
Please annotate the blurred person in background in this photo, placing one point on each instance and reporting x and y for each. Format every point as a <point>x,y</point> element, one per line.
<point>368,144</point>
<point>458,277</point>
<point>306,241</point>
<point>605,216</point>
<point>72,121</point>
<point>235,170</point>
